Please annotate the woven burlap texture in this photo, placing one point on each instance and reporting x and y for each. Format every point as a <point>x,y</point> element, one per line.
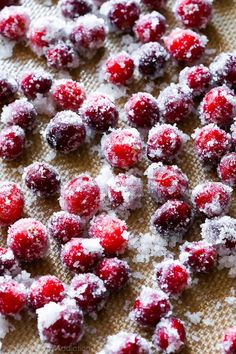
<point>211,289</point>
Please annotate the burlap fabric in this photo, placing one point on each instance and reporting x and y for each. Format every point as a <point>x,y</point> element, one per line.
<point>208,296</point>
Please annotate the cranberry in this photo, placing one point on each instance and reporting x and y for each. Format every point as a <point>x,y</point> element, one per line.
<point>60,324</point>
<point>44,290</point>
<point>12,297</point>
<point>119,69</point>
<point>63,226</point>
<point>8,262</point>
<point>12,142</point>
<point>211,143</point>
<point>111,233</point>
<point>14,22</point>
<point>218,106</point>
<point>193,13</point>
<point>28,240</point>
<point>34,83</point>
<point>21,113</point>
<point>165,142</point>
<point>81,254</point>
<point>8,87</point>
<point>142,110</point>
<point>74,8</point>
<point>227,169</point>
<point>11,203</point>
<point>172,218</point>
<point>62,56</point>
<point>185,45</point>
<point>229,341</point>
<point>65,132</point>
<point>81,196</point>
<point>8,3</point>
<point>155,4</point>
<point>197,78</point>
<point>126,343</point>
<point>167,182</point>
<point>211,198</point>
<point>223,69</point>
<point>99,112</point>
<point>68,94</point>
<point>150,27</point>
<point>150,306</point>
<point>122,148</point>
<point>169,336</point>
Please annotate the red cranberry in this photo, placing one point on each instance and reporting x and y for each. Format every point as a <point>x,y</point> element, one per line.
<point>81,196</point>
<point>150,27</point>
<point>8,262</point>
<point>28,240</point>
<point>175,103</point>
<point>60,324</point>
<point>172,218</point>
<point>65,132</point>
<point>111,233</point>
<point>12,142</point>
<point>218,106</point>
<point>44,290</point>
<point>122,147</point>
<point>12,297</point>
<point>155,4</point>
<point>74,8</point>
<point>126,343</point>
<point>229,341</point>
<point>11,203</point>
<point>211,198</point>
<point>119,69</point>
<point>62,56</point>
<point>197,78</point>
<point>193,13</point>
<point>99,112</point>
<point>169,336</point>
<point>114,272</point>
<point>223,69</point>
<point>150,306</point>
<point>14,22</point>
<point>81,254</point>
<point>21,113</point>
<point>142,110</point>
<point>68,94</point>
<point>185,45</point>
<point>227,169</point>
<point>211,143</point>
<point>8,3</point>
<point>34,83</point>
<point>63,226</point>
<point>8,87</point>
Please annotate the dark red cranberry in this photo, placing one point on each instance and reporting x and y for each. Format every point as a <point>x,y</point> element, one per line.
<point>62,56</point>
<point>169,336</point>
<point>227,169</point>
<point>8,87</point>
<point>75,8</point>
<point>150,27</point>
<point>197,78</point>
<point>229,341</point>
<point>12,297</point>
<point>34,83</point>
<point>223,69</point>
<point>12,142</point>
<point>8,262</point>
<point>11,203</point>
<point>21,113</point>
<point>119,69</point>
<point>193,13</point>
<point>127,343</point>
<point>155,4</point>
<point>14,22</point>
<point>8,3</point>
<point>68,94</point>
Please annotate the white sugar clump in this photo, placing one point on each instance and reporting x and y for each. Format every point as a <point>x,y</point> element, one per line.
<point>44,105</point>
<point>48,315</point>
<point>91,246</point>
<point>7,47</point>
<point>194,317</point>
<point>5,327</point>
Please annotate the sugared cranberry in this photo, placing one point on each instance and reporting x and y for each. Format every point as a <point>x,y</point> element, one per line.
<point>62,56</point>
<point>197,78</point>
<point>81,196</point>
<point>227,169</point>
<point>155,4</point>
<point>74,8</point>
<point>44,290</point>
<point>200,256</point>
<point>126,343</point>
<point>12,142</point>
<point>218,106</point>
<point>142,110</point>
<point>8,3</point>
<point>166,182</point>
<point>8,87</point>
<point>14,22</point>
<point>111,233</point>
<point>63,226</point>
<point>150,306</point>
<point>211,198</point>
<point>34,83</point>
<point>169,336</point>
<point>12,297</point>
<point>8,262</point>
<point>60,324</point>
<point>68,94</point>
<point>223,69</point>
<point>229,341</point>
<point>172,218</point>
<point>65,132</point>
<point>21,113</point>
<point>150,27</point>
<point>193,13</point>
<point>119,69</point>
<point>11,203</point>
<point>99,112</point>
<point>122,147</point>
<point>81,254</point>
<point>211,143</point>
<point>185,45</point>
<point>28,239</point>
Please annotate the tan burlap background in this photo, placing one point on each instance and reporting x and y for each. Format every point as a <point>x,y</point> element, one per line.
<point>211,290</point>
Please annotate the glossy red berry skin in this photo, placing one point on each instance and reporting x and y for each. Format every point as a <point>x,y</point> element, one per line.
<point>8,262</point>
<point>8,3</point>
<point>227,169</point>
<point>193,13</point>
<point>170,335</point>
<point>127,343</point>
<point>223,69</point>
<point>11,203</point>
<point>12,297</point>
<point>62,56</point>
<point>34,83</point>
<point>81,196</point>
<point>119,69</point>
<point>8,87</point>
<point>229,341</point>
<point>68,94</point>
<point>12,142</point>
<point>74,8</point>
<point>14,22</point>
<point>150,27</point>
<point>155,4</point>
<point>197,78</point>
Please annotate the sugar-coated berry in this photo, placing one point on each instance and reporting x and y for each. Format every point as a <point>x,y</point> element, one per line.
<point>126,343</point>
<point>227,169</point>
<point>8,262</point>
<point>61,56</point>
<point>193,13</point>
<point>11,203</point>
<point>12,142</point>
<point>150,27</point>
<point>28,240</point>
<point>223,69</point>
<point>154,4</point>
<point>169,336</point>
<point>80,255</point>
<point>8,3</point>
<point>12,297</point>
<point>99,112</point>
<point>111,232</point>
<point>166,182</point>
<point>211,198</point>
<point>14,22</point>
<point>229,341</point>
<point>74,8</point>
<point>20,112</point>
<point>81,196</point>
<point>65,132</point>
<point>150,306</point>
<point>119,69</point>
<point>122,147</point>
<point>63,226</point>
<point>68,94</point>
<point>185,45</point>
<point>45,289</point>
<point>197,78</point>
<point>8,87</point>
<point>35,83</point>
<point>142,110</point>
